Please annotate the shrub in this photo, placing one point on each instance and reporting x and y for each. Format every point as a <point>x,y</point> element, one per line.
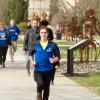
<point>22,26</point>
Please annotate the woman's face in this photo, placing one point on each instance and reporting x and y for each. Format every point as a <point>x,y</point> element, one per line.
<point>44,34</point>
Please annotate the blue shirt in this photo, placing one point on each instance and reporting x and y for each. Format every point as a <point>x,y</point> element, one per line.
<point>3,38</point>
<point>14,32</point>
<point>41,57</point>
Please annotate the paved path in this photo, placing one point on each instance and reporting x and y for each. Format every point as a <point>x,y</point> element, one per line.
<point>16,85</point>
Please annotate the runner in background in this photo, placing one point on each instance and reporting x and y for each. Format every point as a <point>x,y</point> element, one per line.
<point>14,32</point>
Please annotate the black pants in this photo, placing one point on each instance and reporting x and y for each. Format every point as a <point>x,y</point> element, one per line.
<point>53,73</point>
<point>43,82</point>
<point>3,53</point>
<point>54,70</point>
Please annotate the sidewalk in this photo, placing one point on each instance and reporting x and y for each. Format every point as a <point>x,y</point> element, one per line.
<point>16,85</point>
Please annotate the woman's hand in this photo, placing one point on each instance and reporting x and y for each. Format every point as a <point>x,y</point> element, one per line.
<point>53,60</point>
<point>33,63</point>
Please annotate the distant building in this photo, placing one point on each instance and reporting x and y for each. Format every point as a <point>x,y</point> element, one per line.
<point>38,6</point>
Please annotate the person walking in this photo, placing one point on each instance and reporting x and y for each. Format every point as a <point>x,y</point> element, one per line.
<point>42,56</point>
<point>31,36</point>
<point>14,33</point>
<point>4,42</point>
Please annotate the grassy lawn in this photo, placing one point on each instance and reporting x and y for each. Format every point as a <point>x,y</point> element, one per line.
<point>65,43</point>
<point>96,37</point>
<point>77,53</point>
<point>63,50</point>
<point>92,82</point>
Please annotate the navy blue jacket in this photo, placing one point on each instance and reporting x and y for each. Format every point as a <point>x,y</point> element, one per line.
<point>41,56</point>
<point>4,38</point>
<point>14,32</point>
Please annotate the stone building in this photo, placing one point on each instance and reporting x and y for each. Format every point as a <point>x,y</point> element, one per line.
<point>38,6</point>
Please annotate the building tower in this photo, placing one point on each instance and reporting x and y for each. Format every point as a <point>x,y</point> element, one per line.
<point>38,6</point>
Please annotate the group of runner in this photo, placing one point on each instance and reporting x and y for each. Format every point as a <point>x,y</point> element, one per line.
<point>40,51</point>
<point>8,38</point>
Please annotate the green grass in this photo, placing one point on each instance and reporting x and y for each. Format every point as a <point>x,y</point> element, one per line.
<point>96,37</point>
<point>64,48</point>
<point>92,82</point>
<point>64,56</point>
<point>77,53</point>
<point>65,43</point>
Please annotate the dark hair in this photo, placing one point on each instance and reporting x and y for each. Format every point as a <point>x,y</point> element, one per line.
<point>43,28</point>
<point>44,22</point>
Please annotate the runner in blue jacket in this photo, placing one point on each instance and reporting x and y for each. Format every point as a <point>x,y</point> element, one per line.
<point>4,42</point>
<point>14,32</point>
<point>42,56</point>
